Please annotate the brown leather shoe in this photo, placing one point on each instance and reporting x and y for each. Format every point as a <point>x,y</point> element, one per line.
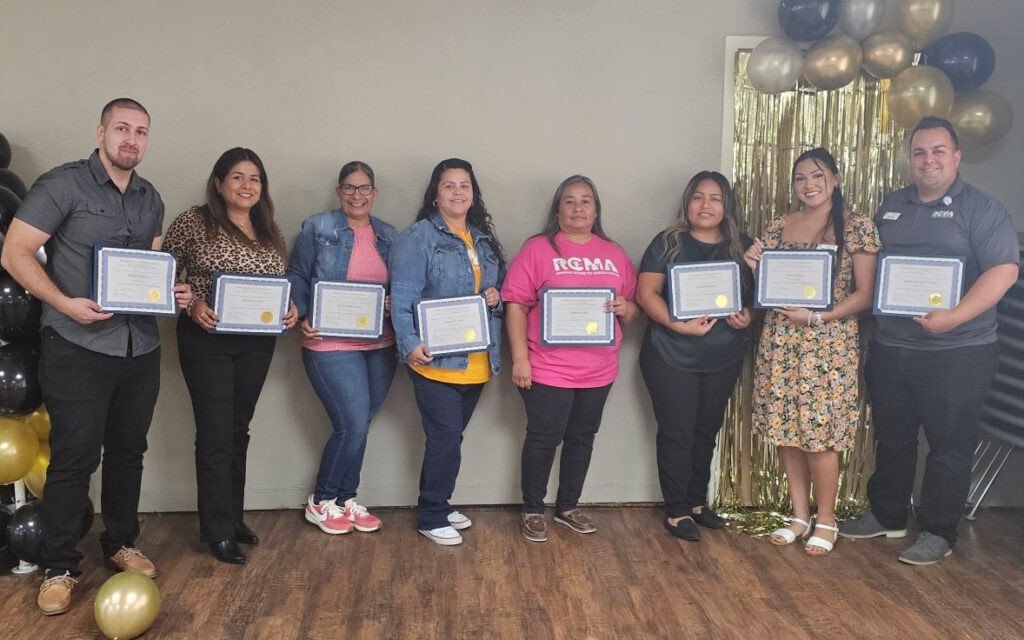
<point>577,521</point>
<point>533,527</point>
<point>55,594</point>
<point>131,559</point>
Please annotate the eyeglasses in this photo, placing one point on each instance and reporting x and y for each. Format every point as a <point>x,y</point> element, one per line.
<point>363,189</point>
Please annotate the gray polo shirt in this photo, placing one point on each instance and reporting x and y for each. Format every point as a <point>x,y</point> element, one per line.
<point>966,223</point>
<point>78,205</point>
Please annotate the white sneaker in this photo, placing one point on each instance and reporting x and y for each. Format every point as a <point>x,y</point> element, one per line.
<point>459,521</point>
<point>443,535</point>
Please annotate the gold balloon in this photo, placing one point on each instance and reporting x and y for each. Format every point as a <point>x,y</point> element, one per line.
<point>918,92</point>
<point>981,117</point>
<point>832,62</point>
<point>39,420</point>
<point>924,20</point>
<point>35,479</point>
<point>887,53</point>
<point>18,449</point>
<point>126,605</point>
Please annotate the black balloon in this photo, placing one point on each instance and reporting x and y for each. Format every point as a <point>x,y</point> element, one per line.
<point>11,180</point>
<point>967,58</point>
<point>19,312</point>
<point>806,20</point>
<point>9,203</point>
<point>19,380</point>
<point>5,152</point>
<point>25,530</point>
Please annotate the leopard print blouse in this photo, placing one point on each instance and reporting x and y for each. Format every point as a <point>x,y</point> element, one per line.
<point>199,258</point>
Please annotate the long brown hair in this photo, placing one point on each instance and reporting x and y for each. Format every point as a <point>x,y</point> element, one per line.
<point>215,213</point>
<point>728,228</point>
<point>551,229</point>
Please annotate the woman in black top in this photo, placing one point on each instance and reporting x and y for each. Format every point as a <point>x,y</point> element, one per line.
<point>690,367</point>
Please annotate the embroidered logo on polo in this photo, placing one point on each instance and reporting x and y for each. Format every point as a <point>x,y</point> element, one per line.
<point>584,266</point>
<point>943,213</point>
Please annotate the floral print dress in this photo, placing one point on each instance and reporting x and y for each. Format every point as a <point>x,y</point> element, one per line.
<point>805,378</point>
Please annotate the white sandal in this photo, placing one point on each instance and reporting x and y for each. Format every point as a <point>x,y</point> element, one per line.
<point>821,543</point>
<point>787,534</point>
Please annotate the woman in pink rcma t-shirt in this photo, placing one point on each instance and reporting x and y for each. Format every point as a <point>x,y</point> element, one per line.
<point>564,388</point>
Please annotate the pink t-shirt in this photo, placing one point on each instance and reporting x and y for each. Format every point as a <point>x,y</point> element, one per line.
<point>595,263</point>
<point>364,265</point>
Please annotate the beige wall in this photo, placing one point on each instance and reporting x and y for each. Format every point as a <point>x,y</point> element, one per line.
<point>530,92</point>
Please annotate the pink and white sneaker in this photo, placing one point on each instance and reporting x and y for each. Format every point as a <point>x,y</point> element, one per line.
<point>359,517</point>
<point>328,516</point>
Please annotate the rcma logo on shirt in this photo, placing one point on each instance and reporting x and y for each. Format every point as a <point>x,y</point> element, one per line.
<point>584,265</point>
<point>942,214</point>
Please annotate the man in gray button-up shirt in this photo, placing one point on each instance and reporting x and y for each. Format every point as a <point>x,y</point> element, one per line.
<point>99,372</point>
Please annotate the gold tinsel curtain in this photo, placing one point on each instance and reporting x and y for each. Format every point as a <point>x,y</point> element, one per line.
<point>770,131</point>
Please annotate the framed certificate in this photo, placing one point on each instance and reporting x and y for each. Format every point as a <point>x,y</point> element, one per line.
<point>348,309</point>
<point>698,289</point>
<point>795,278</point>
<point>454,325</point>
<point>250,304</point>
<point>575,317</point>
<point>915,285</point>
<point>136,281</point>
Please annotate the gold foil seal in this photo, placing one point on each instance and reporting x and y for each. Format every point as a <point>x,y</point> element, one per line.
<point>721,301</point>
<point>154,295</point>
<point>267,317</point>
<point>935,299</point>
<point>591,328</point>
<point>810,291</point>
<point>362,322</point>
<point>469,335</point>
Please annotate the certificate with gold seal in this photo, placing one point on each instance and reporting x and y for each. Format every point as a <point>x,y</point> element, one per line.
<point>250,304</point>
<point>575,317</point>
<point>454,325</point>
<point>348,309</point>
<point>134,281</point>
<point>698,289</point>
<point>914,285</point>
<point>795,278</point>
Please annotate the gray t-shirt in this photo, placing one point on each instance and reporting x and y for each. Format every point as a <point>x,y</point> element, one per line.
<point>966,223</point>
<point>79,206</point>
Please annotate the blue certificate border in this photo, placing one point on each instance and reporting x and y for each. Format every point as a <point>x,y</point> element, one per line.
<point>883,271</point>
<point>376,328</point>
<point>221,278</point>
<point>100,256</point>
<point>824,303</point>
<point>606,339</point>
<point>463,347</point>
<point>715,312</point>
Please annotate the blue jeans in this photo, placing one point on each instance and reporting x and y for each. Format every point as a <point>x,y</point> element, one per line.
<point>445,410</point>
<point>352,385</point>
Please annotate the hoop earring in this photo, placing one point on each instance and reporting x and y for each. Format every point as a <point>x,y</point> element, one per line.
<point>435,203</point>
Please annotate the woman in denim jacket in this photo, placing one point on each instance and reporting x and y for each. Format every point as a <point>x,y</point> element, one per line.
<point>450,250</point>
<point>350,376</point>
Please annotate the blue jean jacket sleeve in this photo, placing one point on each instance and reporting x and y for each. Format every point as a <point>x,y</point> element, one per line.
<point>408,265</point>
<point>301,267</point>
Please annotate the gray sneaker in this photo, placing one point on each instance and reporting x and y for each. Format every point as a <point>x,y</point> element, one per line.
<point>928,549</point>
<point>867,526</point>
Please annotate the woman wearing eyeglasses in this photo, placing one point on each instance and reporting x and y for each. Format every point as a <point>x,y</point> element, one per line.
<point>350,376</point>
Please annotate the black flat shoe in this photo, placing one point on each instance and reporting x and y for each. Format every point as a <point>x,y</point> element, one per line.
<point>227,551</point>
<point>708,518</point>
<point>685,529</point>
<point>245,535</point>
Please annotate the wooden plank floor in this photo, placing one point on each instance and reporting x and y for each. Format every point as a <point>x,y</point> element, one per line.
<point>629,580</point>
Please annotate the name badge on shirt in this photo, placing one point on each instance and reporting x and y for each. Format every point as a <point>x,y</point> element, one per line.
<point>827,247</point>
<point>891,215</point>
<point>945,213</point>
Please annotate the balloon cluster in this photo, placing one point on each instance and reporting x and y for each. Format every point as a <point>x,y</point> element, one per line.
<point>945,83</point>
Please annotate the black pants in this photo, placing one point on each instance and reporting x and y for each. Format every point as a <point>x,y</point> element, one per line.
<point>96,403</point>
<point>941,391</point>
<point>224,374</point>
<point>556,415</point>
<point>689,408</point>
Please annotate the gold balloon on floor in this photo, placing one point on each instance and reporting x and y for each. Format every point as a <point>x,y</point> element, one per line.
<point>35,479</point>
<point>887,53</point>
<point>39,420</point>
<point>832,62</point>
<point>18,449</point>
<point>126,605</point>
<point>924,20</point>
<point>918,92</point>
<point>981,117</point>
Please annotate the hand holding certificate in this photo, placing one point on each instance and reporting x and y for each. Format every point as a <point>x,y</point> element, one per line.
<point>134,281</point>
<point>250,304</point>
<point>701,289</point>
<point>795,278</point>
<point>454,325</point>
<point>917,285</point>
<point>348,309</point>
<point>576,317</point>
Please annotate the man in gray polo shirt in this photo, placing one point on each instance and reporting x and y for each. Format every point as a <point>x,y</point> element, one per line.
<point>99,372</point>
<point>933,371</point>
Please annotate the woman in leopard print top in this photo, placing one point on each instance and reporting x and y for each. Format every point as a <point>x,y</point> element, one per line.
<point>234,232</point>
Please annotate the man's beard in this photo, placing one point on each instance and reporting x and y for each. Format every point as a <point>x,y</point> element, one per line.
<point>124,163</point>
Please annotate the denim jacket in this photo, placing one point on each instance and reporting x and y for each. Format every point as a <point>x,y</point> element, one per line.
<point>430,261</point>
<point>322,250</point>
